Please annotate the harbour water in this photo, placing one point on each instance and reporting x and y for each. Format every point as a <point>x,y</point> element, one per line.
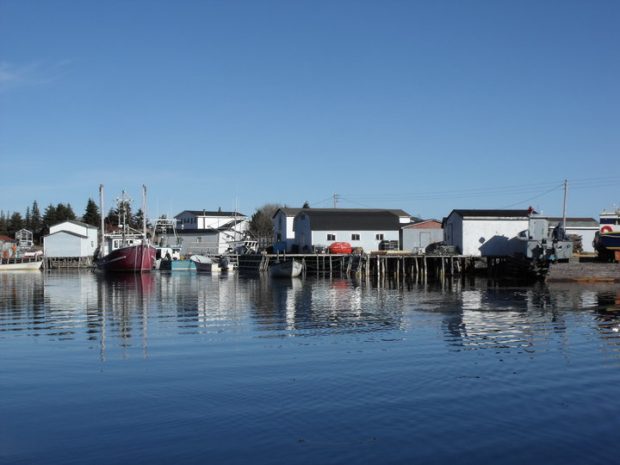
<point>182,368</point>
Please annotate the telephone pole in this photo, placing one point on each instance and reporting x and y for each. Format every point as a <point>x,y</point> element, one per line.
<point>564,207</point>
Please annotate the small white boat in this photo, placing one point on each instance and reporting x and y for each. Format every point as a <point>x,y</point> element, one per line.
<point>285,269</point>
<point>21,264</point>
<point>211,265</point>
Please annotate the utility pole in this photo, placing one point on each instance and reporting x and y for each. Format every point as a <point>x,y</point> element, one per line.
<point>564,207</point>
<point>335,200</point>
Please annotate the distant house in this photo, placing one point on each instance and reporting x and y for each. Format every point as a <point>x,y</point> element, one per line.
<point>71,239</point>
<point>487,233</point>
<point>209,232</point>
<point>365,228</point>
<point>6,246</point>
<point>421,234</point>
<point>585,228</point>
<point>284,234</point>
<point>206,219</point>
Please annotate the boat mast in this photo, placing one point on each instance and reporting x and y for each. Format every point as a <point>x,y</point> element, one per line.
<point>102,219</point>
<point>144,212</point>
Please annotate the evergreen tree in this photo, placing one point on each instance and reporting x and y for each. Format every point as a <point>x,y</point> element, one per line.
<point>36,221</point>
<point>70,214</point>
<point>3,223</point>
<point>50,217</point>
<point>15,224</point>
<point>91,214</point>
<point>261,226</point>
<point>28,220</point>
<point>136,221</point>
<point>64,213</point>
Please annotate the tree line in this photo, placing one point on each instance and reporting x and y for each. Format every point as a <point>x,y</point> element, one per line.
<point>39,223</point>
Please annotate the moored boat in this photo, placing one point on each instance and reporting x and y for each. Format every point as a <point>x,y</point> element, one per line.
<point>126,249</point>
<point>607,239</point>
<point>285,269</point>
<point>21,263</point>
<point>214,265</point>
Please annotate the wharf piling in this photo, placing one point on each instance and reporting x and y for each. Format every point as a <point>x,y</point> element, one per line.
<point>381,266</point>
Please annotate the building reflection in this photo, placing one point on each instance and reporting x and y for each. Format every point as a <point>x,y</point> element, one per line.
<point>323,305</point>
<point>22,298</point>
<point>528,318</point>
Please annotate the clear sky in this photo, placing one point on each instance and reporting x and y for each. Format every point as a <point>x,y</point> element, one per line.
<point>421,105</point>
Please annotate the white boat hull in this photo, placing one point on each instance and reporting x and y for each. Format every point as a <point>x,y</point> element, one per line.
<point>20,265</point>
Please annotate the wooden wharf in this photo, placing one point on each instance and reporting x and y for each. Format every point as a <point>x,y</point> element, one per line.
<point>55,263</point>
<point>400,266</point>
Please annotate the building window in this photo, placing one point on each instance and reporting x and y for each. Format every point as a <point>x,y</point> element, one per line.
<point>355,237</point>
<point>379,237</point>
<point>331,237</point>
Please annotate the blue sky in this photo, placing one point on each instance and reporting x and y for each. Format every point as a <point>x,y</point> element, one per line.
<point>425,106</point>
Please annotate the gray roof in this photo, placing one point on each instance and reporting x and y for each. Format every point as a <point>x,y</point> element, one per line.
<point>79,223</point>
<point>493,213</point>
<point>71,233</point>
<point>288,211</point>
<point>358,219</point>
<point>209,213</point>
<point>575,222</point>
<point>418,222</point>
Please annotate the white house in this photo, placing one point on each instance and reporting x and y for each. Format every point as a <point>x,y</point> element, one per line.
<point>71,239</point>
<point>283,233</point>
<point>205,219</point>
<point>486,233</point>
<point>365,228</point>
<point>209,232</point>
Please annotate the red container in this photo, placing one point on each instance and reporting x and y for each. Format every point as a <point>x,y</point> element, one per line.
<point>340,247</point>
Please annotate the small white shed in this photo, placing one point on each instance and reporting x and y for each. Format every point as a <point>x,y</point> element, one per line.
<point>284,234</point>
<point>421,234</point>
<point>486,233</point>
<point>70,239</point>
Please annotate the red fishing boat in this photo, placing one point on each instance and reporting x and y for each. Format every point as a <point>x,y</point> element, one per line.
<point>126,249</point>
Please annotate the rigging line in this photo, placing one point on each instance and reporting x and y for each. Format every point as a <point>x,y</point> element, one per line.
<point>356,203</point>
<point>322,201</point>
<point>535,197</point>
<point>512,189</point>
<point>479,189</point>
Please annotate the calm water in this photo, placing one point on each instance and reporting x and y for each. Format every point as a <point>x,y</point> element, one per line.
<point>188,369</point>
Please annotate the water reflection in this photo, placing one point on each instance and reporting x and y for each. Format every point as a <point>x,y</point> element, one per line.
<point>124,311</point>
<point>322,306</point>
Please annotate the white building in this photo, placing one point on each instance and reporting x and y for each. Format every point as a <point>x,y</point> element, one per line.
<point>283,233</point>
<point>486,233</point>
<point>209,232</point>
<point>365,228</point>
<point>205,219</point>
<point>71,239</point>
